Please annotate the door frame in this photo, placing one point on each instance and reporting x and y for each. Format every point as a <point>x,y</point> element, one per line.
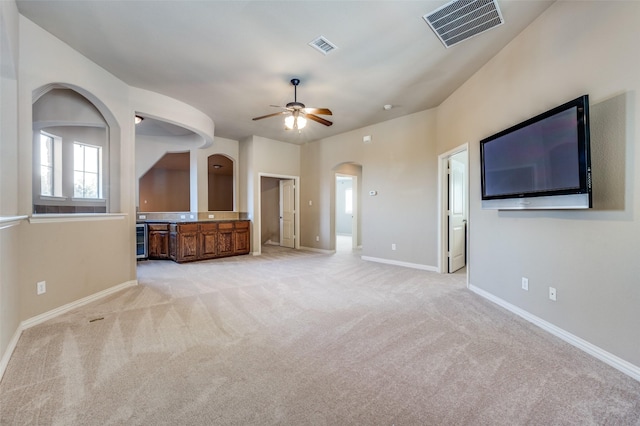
<point>354,213</point>
<point>443,192</point>
<point>281,205</point>
<point>258,217</point>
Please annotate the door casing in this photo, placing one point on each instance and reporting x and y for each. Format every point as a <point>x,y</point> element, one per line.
<point>257,217</point>
<point>443,160</point>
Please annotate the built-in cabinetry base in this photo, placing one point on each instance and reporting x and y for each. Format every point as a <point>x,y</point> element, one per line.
<point>189,241</point>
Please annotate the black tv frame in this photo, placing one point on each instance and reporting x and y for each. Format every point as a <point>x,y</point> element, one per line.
<point>572,198</point>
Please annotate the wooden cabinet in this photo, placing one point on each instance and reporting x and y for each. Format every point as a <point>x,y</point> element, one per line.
<point>225,239</point>
<point>242,244</point>
<point>184,242</point>
<point>208,237</point>
<point>207,240</point>
<point>158,240</point>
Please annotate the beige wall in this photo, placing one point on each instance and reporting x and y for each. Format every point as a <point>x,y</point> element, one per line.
<point>164,190</point>
<point>76,258</point>
<point>263,157</point>
<point>9,236</point>
<point>590,257</point>
<point>401,165</point>
<point>9,286</point>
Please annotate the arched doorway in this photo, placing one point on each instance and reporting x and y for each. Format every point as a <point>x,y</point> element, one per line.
<point>346,223</point>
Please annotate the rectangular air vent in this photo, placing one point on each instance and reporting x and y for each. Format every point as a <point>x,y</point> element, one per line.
<point>322,45</point>
<point>459,20</point>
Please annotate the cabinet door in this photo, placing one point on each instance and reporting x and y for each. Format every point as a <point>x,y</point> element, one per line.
<point>187,246</point>
<point>158,240</point>
<point>208,240</point>
<point>158,244</point>
<point>187,242</point>
<point>242,242</point>
<point>225,239</point>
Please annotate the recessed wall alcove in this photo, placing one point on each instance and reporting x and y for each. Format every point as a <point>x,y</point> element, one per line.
<point>176,172</point>
<point>165,186</point>
<point>220,183</point>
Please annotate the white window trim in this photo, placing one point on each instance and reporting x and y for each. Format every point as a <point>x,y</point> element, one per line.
<point>9,221</point>
<point>100,174</point>
<point>74,217</point>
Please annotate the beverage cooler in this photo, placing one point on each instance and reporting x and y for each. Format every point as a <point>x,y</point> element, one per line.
<point>141,241</point>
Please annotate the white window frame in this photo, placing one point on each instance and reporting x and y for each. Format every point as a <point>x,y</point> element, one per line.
<point>56,165</point>
<point>83,170</point>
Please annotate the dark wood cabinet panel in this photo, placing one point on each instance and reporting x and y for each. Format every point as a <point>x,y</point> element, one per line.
<point>158,241</point>
<point>207,240</point>
<point>186,242</point>
<point>225,239</point>
<point>241,241</point>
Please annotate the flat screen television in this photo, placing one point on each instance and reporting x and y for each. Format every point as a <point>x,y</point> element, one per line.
<point>541,163</point>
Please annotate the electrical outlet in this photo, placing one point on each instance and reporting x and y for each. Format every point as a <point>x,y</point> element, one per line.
<point>552,293</point>
<point>211,216</point>
<point>393,246</point>
<point>41,287</point>
<point>525,283</point>
<point>317,238</point>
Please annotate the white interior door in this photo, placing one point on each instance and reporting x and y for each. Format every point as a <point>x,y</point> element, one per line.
<point>287,213</point>
<point>457,212</point>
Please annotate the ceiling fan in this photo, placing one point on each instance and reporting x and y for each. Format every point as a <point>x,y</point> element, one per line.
<point>296,112</point>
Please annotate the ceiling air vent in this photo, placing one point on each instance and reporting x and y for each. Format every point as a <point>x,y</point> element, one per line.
<point>323,45</point>
<point>459,20</point>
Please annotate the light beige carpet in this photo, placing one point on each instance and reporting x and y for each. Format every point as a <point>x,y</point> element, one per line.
<point>299,338</point>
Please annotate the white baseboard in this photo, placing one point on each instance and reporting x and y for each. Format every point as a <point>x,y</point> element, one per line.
<point>317,250</point>
<point>399,263</point>
<point>619,364</point>
<point>7,354</point>
<point>54,313</point>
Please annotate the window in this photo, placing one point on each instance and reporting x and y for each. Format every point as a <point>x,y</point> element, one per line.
<point>46,164</point>
<point>50,165</point>
<point>86,171</point>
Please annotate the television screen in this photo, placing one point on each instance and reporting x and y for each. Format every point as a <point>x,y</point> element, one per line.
<point>545,156</point>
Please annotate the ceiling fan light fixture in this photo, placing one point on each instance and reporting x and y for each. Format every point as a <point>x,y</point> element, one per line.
<point>292,122</point>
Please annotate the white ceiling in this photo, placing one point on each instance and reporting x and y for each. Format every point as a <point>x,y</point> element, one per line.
<point>233,59</point>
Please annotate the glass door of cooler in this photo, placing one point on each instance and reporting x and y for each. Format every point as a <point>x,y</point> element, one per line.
<point>141,241</point>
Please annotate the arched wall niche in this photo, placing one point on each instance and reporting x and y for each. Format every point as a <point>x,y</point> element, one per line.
<point>75,114</point>
<point>220,182</point>
<point>165,186</point>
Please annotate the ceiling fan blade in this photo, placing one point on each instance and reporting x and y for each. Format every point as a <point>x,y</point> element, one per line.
<point>318,119</point>
<point>322,111</point>
<point>270,115</point>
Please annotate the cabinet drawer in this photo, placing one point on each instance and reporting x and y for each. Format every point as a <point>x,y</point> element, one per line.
<point>158,226</point>
<point>208,227</point>
<point>242,225</point>
<point>187,227</point>
<point>225,226</point>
